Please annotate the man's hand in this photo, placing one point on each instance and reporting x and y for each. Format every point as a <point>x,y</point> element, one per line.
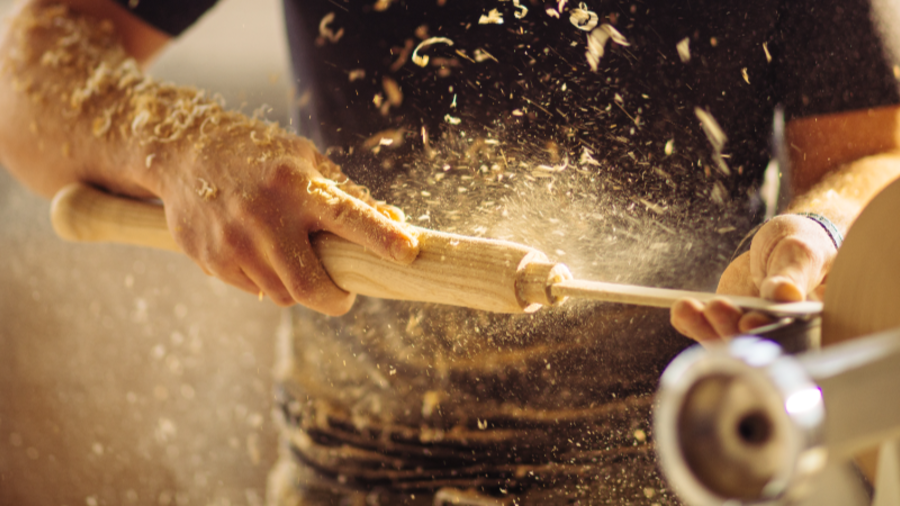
<point>248,222</point>
<point>241,195</point>
<point>788,261</point>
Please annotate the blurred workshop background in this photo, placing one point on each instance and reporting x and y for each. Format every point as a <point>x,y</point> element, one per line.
<point>126,375</point>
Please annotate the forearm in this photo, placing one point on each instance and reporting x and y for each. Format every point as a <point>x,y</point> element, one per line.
<point>53,129</point>
<point>77,107</point>
<point>842,193</point>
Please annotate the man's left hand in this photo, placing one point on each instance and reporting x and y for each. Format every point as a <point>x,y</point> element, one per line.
<point>788,261</point>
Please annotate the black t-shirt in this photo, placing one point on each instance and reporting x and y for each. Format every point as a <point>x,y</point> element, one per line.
<point>642,171</point>
<point>523,91</point>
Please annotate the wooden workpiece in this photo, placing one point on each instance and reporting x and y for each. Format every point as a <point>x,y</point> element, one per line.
<point>483,274</point>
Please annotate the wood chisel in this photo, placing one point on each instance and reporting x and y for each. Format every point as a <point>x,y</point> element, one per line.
<point>483,274</point>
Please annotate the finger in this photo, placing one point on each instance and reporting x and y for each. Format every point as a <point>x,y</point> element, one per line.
<point>305,279</point>
<point>752,320</point>
<point>736,280</point>
<point>360,223</point>
<point>392,212</point>
<point>819,293</point>
<point>790,256</point>
<point>793,269</point>
<point>264,276</point>
<point>239,279</point>
<point>783,288</point>
<point>687,317</point>
<point>723,317</point>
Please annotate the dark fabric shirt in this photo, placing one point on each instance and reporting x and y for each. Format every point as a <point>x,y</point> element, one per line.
<point>171,17</point>
<point>619,172</point>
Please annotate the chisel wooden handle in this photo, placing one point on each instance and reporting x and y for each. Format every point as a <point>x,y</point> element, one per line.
<point>483,274</point>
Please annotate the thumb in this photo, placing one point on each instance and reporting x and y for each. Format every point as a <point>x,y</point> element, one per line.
<point>794,269</point>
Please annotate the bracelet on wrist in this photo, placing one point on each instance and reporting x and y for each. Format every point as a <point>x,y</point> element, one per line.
<point>830,228</point>
<point>836,237</point>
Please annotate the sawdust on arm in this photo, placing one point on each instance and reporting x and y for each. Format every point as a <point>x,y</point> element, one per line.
<point>241,193</point>
<point>92,114</point>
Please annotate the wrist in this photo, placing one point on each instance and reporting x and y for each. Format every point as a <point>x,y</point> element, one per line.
<point>834,234</point>
<point>837,238</point>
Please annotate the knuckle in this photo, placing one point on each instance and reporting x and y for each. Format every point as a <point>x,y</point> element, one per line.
<point>341,210</point>
<point>232,238</point>
<point>302,287</point>
<point>797,249</point>
<point>282,300</point>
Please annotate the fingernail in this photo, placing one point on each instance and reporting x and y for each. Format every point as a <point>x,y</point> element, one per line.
<point>781,288</point>
<point>405,250</point>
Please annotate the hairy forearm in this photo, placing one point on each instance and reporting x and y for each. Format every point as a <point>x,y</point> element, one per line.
<point>77,107</point>
<point>842,193</point>
<point>54,121</point>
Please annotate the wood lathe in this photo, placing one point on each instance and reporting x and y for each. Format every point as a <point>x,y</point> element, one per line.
<point>482,274</point>
<point>745,424</point>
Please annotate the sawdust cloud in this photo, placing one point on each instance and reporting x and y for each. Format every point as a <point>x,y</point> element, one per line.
<point>576,209</point>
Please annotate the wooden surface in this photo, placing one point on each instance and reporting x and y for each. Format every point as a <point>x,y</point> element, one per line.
<point>863,294</point>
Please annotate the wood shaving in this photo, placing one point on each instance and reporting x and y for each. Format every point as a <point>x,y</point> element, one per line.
<point>521,10</point>
<point>745,75</point>
<point>614,34</point>
<point>103,123</point>
<point>553,13</point>
<point>481,55</point>
<point>393,138</point>
<point>765,46</point>
<point>716,137</point>
<point>596,41</point>
<point>452,119</point>
<point>382,5</point>
<point>491,18</point>
<point>393,91</point>
<point>429,151</point>
<point>554,168</point>
<point>403,54</point>
<point>711,128</point>
<point>422,60</point>
<point>684,49</point>
<point>587,157</point>
<point>583,18</point>
<point>719,194</point>
<point>325,31</point>
<point>103,94</point>
<point>356,74</point>
<point>207,191</point>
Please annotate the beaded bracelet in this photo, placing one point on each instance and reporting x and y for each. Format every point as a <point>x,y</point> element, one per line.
<point>833,233</point>
<point>836,237</point>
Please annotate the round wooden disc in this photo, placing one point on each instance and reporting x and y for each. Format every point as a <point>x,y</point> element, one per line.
<point>863,292</point>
